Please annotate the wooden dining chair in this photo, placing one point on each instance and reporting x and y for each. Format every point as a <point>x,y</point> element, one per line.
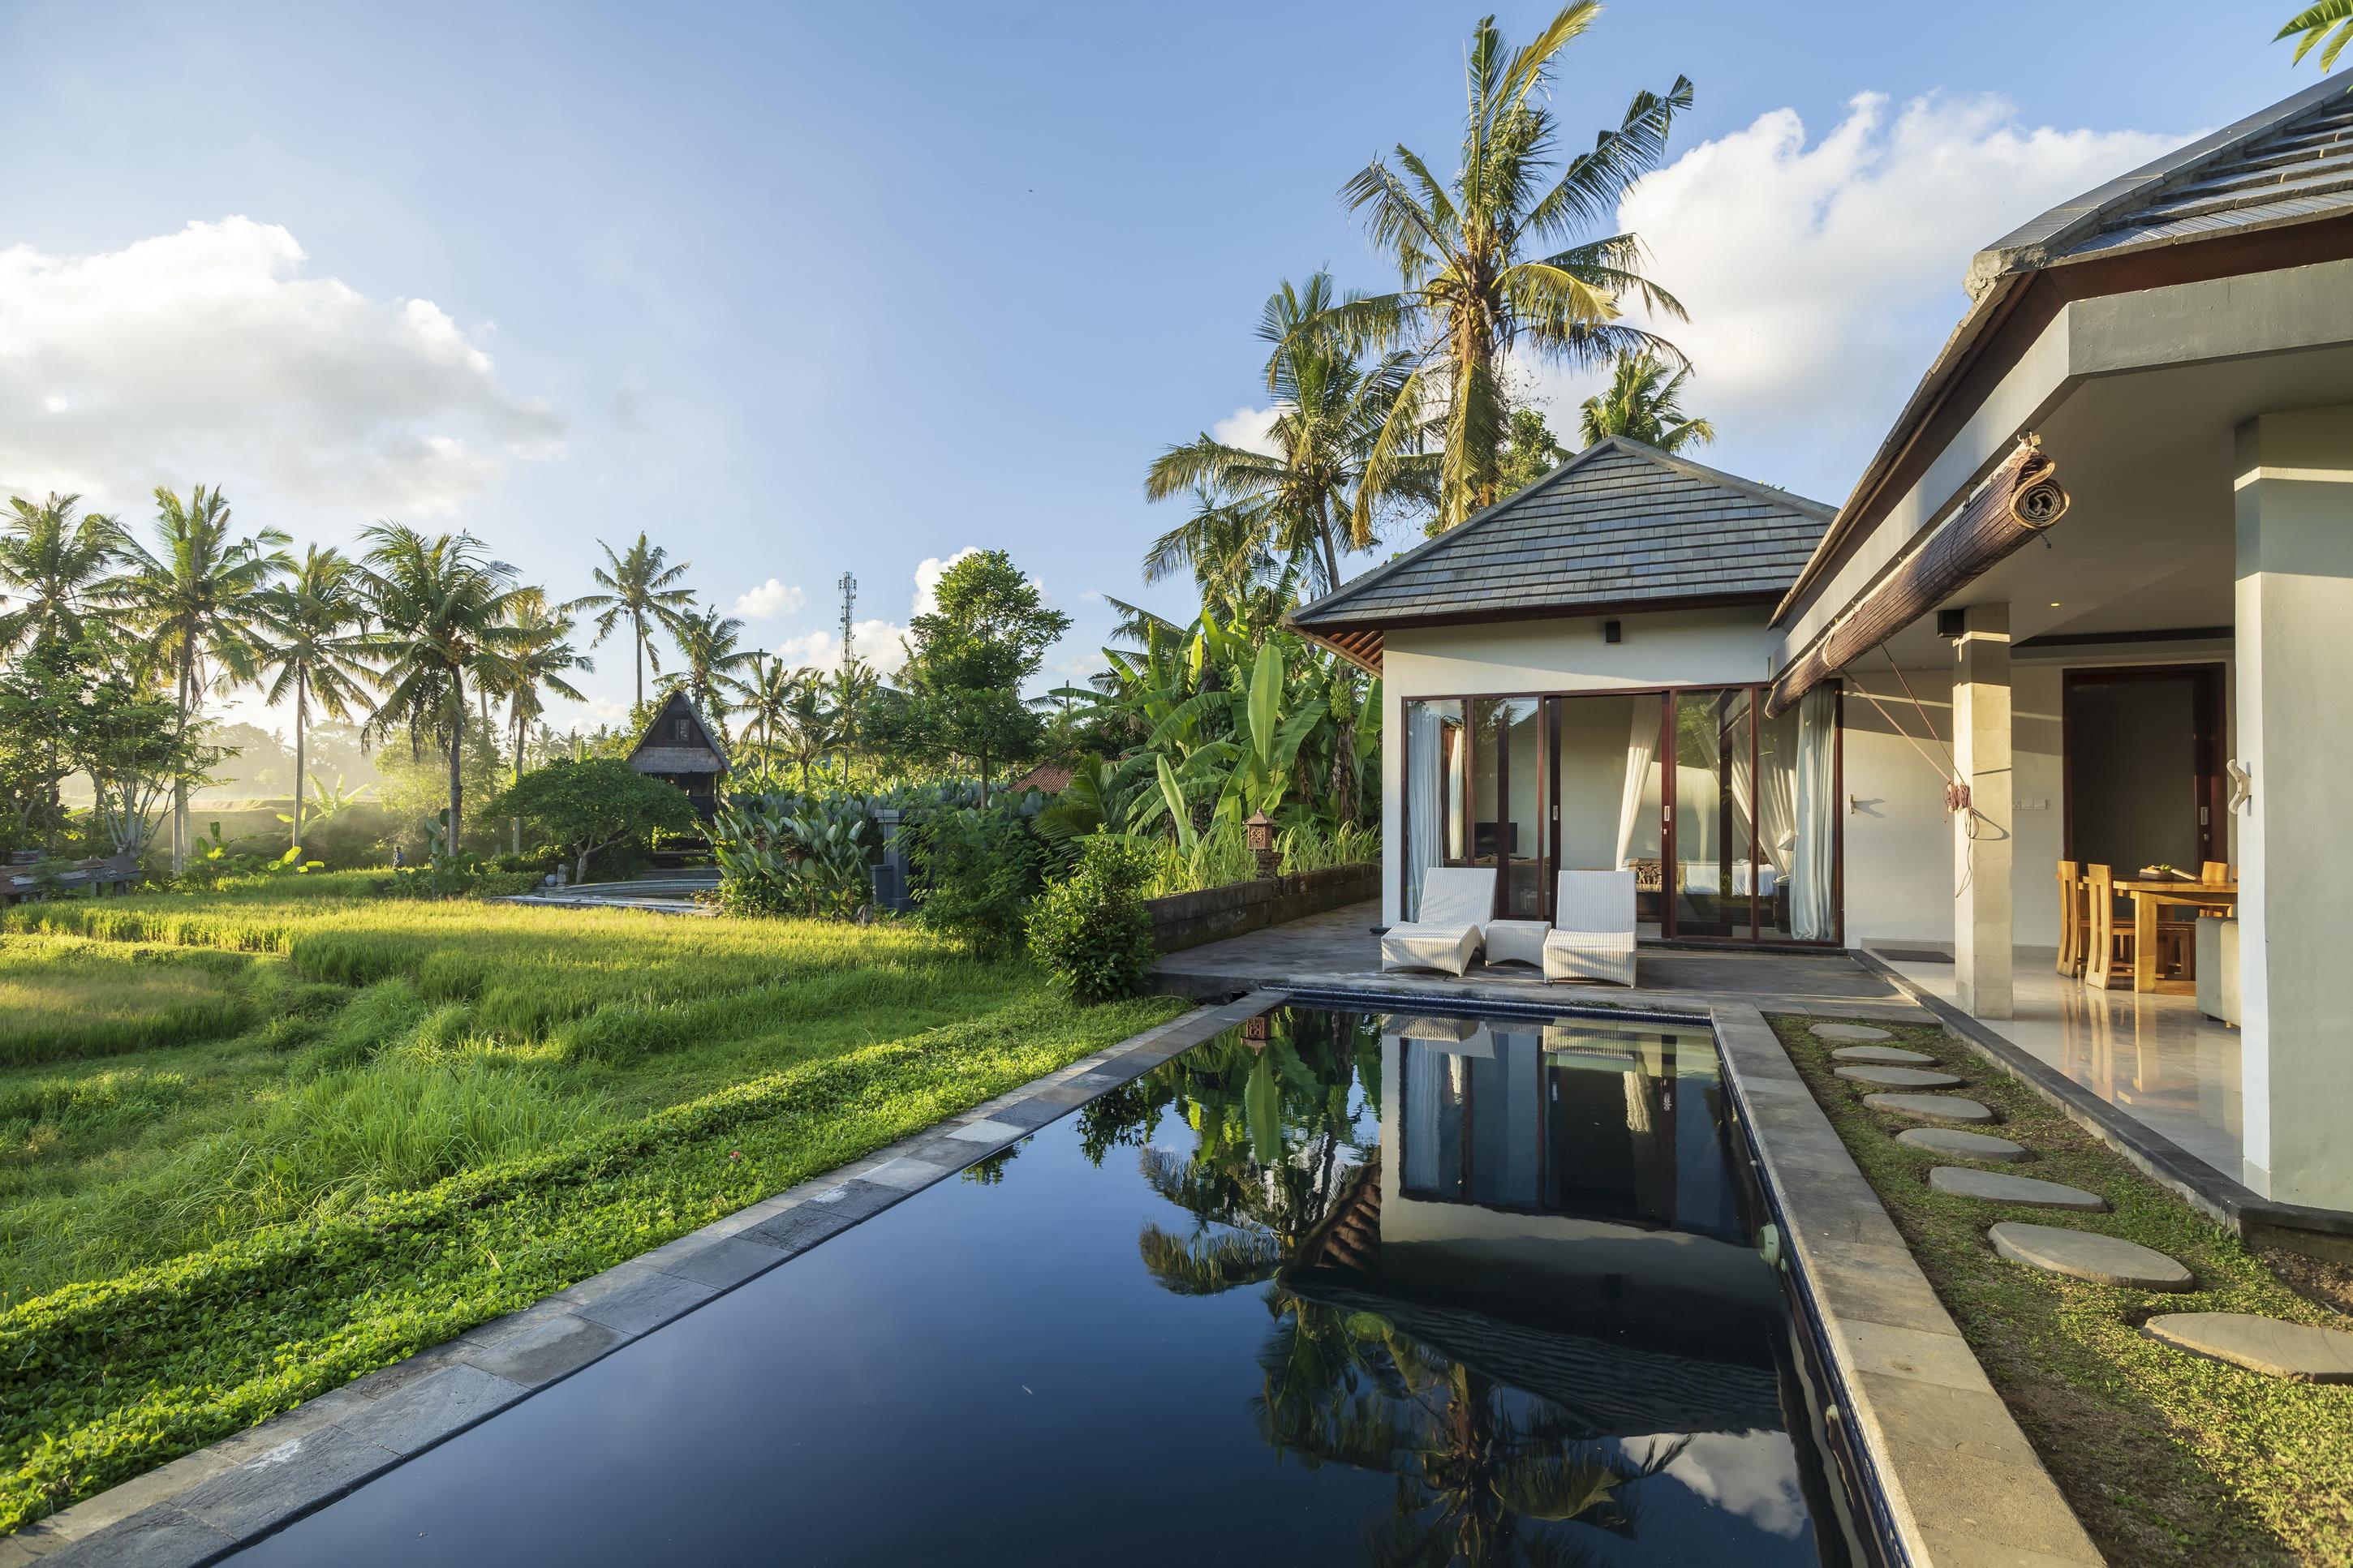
<point>2214,873</point>
<point>2110,943</point>
<point>2073,931</point>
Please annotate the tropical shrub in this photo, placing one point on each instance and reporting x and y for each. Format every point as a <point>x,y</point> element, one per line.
<point>456,876</point>
<point>976,873</point>
<point>589,806</point>
<point>1090,931</point>
<point>795,855</point>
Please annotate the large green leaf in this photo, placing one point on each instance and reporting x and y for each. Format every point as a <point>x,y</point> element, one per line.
<point>1178,812</point>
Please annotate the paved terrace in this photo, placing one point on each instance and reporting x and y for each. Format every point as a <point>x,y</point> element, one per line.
<point>1340,951</point>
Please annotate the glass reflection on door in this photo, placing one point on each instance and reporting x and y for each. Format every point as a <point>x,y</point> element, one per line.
<point>1716,871</point>
<point>1607,793</point>
<point>1507,792</point>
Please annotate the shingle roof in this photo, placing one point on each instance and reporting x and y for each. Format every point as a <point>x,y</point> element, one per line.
<point>665,755</point>
<point>1621,525</point>
<point>2288,163</point>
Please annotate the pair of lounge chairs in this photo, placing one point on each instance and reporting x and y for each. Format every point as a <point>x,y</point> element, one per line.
<point>1591,936</point>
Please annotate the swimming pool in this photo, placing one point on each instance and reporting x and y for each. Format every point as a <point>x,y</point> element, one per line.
<point>1333,1286</point>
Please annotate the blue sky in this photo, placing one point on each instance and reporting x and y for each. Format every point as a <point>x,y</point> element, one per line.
<point>801,290</point>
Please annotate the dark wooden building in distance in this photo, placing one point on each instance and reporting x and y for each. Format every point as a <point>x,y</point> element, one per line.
<point>681,747</point>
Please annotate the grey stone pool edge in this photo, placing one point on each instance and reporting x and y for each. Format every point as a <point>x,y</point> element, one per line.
<point>1958,1484</point>
<point>205,1505</point>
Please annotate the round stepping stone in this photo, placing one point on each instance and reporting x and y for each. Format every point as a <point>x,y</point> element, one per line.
<point>1850,1032</point>
<point>2088,1255</point>
<point>1961,1145</point>
<point>1997,1187</point>
<point>2295,1350</point>
<point>1899,1077</point>
<point>1930,1107</point>
<point>1888,1056</point>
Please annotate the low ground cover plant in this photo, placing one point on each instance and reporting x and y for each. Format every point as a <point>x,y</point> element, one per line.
<point>2168,1457</point>
<point>427,1114</point>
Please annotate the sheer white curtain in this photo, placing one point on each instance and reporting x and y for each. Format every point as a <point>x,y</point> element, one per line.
<point>1777,821</point>
<point>1425,762</point>
<point>1733,736</point>
<point>1423,1081</point>
<point>1641,748</point>
<point>1813,878</point>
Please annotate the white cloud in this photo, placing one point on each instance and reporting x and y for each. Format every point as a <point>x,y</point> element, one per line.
<point>1250,428</point>
<point>1752,1474</point>
<point>1821,279</point>
<point>881,644</point>
<point>210,355</point>
<point>770,598</point>
<point>928,575</point>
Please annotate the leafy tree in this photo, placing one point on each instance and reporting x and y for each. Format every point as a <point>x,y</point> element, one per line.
<point>1492,259</point>
<point>978,871</point>
<point>989,635</point>
<point>1644,402</point>
<point>200,597</point>
<point>711,660</point>
<point>98,697</point>
<point>440,607</point>
<point>641,587</point>
<point>315,640</point>
<point>2331,20</point>
<point>589,806</point>
<point>1533,454</point>
<point>1305,504</point>
<point>51,564</point>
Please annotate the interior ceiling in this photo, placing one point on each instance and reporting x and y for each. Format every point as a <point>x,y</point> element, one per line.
<point>2147,459</point>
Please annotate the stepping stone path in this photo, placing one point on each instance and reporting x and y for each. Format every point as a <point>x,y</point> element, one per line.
<point>2294,1351</point>
<point>1888,1056</point>
<point>1961,1145</point>
<point>1930,1107</point>
<point>1899,1077</point>
<point>1850,1032</point>
<point>1996,1187</point>
<point>2088,1255</point>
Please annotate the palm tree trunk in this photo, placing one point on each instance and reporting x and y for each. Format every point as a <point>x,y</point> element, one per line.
<point>180,783</point>
<point>638,626</point>
<point>457,749</point>
<point>301,697</point>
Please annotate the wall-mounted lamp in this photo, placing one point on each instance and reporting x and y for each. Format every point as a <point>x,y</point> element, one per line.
<point>1612,631</point>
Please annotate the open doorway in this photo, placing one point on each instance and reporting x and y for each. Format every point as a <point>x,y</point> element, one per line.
<point>2143,767</point>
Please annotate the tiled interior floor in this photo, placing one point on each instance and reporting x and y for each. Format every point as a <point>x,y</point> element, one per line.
<point>2156,1059</point>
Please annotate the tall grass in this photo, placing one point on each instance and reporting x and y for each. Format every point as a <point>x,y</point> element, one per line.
<point>61,1000</point>
<point>1222,855</point>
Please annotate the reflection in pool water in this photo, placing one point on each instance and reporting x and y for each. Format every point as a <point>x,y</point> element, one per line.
<point>1412,1290</point>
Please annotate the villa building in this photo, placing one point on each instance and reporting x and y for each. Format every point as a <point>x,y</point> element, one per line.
<point>680,747</point>
<point>2089,606</point>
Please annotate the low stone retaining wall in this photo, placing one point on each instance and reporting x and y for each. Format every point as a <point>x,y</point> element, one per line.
<point>1188,920</point>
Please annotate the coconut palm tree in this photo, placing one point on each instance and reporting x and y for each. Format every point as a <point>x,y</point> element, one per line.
<point>2331,20</point>
<point>641,587</point>
<point>314,641</point>
<point>1644,402</point>
<point>1307,500</point>
<point>51,561</point>
<point>849,695</point>
<point>539,662</point>
<point>1499,259</point>
<point>442,607</point>
<point>711,660</point>
<point>810,725</point>
<point>200,599</point>
<point>767,704</point>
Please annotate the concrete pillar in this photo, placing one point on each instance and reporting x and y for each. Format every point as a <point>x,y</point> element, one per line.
<point>2294,506</point>
<point>1982,836</point>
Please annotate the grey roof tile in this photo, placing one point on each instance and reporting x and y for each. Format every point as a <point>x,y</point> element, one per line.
<point>1618,522</point>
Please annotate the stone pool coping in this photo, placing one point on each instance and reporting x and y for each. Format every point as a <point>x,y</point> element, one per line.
<point>1958,1485</point>
<point>205,1505</point>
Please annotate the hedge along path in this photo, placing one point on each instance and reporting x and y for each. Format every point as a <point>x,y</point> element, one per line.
<point>2168,1457</point>
<point>102,1380</point>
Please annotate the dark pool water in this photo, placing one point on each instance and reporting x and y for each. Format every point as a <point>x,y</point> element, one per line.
<point>1331,1289</point>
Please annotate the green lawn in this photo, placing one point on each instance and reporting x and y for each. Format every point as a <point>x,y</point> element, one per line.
<point>255,1145</point>
<point>2168,1457</point>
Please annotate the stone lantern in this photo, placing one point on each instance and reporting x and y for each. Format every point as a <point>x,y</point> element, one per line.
<point>1259,834</point>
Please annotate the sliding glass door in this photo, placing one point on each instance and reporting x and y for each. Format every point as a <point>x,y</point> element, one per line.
<point>1728,819</point>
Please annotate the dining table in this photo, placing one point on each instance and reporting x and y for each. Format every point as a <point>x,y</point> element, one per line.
<point>2149,894</point>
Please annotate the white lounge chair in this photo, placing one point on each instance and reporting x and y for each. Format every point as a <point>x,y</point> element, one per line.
<point>1451,927</point>
<point>1592,935</point>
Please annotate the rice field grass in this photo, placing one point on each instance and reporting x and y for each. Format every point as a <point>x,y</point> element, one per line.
<point>200,1089</point>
